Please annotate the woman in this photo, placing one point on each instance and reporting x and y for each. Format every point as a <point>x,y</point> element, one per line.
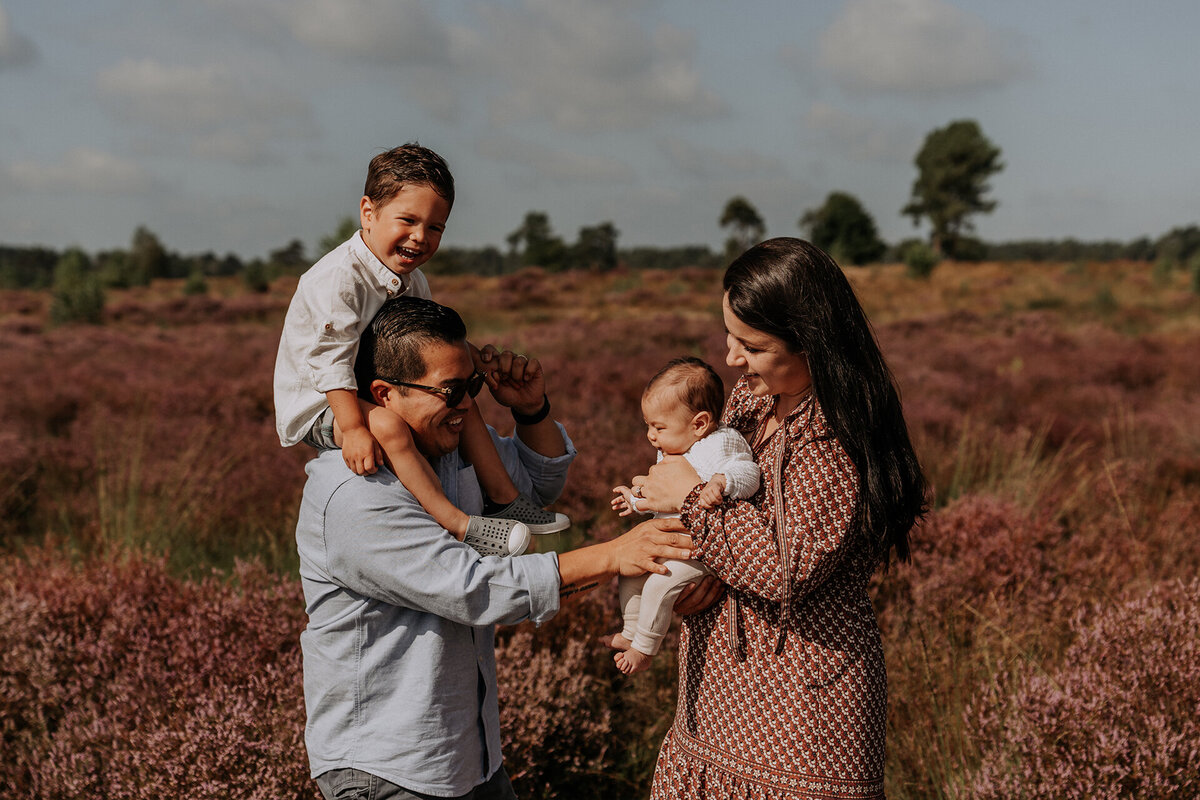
<point>782,689</point>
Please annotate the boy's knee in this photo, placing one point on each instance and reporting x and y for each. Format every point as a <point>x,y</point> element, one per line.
<point>387,428</point>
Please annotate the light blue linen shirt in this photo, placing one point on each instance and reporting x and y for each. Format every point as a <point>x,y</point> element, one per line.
<point>399,660</point>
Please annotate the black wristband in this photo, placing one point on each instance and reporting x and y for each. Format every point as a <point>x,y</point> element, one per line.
<point>534,418</point>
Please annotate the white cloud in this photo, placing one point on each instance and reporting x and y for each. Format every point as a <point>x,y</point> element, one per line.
<point>584,65</point>
<point>375,31</point>
<point>15,49</point>
<point>169,95</point>
<point>860,137</point>
<point>708,162</point>
<point>82,170</point>
<point>216,110</point>
<point>558,165</point>
<point>918,46</point>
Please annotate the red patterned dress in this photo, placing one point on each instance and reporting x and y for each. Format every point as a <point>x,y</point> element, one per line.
<point>782,689</point>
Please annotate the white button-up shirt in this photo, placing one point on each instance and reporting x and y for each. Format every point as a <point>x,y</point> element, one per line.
<point>334,302</point>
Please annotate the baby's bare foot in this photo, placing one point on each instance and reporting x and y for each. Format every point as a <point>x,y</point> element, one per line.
<point>616,641</point>
<point>631,661</point>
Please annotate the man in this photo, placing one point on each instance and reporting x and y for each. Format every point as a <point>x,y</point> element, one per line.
<point>399,662</point>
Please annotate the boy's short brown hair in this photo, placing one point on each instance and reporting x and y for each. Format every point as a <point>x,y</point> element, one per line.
<point>408,163</point>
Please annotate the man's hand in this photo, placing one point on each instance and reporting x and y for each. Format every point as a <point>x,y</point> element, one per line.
<point>636,552</point>
<point>515,380</point>
<point>631,554</point>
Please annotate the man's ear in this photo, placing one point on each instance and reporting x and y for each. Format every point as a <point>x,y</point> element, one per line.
<point>382,391</point>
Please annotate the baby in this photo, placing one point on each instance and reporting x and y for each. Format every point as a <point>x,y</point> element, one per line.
<point>682,407</point>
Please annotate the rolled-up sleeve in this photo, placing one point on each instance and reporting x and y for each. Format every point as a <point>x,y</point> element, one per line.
<point>335,327</point>
<point>542,478</point>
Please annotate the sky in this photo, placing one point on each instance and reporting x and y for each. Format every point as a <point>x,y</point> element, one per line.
<point>238,126</point>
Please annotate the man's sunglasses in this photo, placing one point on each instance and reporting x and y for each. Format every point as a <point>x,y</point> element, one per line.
<point>453,395</point>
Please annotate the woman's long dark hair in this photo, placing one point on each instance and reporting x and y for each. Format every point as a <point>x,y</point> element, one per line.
<point>792,290</point>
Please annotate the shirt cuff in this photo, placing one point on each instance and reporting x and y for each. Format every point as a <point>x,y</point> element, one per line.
<point>694,519</point>
<point>546,471</point>
<point>336,377</point>
<point>544,586</point>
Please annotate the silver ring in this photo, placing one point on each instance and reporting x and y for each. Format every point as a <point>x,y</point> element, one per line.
<point>637,491</point>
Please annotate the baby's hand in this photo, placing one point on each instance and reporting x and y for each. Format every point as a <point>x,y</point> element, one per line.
<point>624,502</point>
<point>713,492</point>
<point>360,451</point>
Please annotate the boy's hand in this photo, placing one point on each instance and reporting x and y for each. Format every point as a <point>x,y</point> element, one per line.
<point>713,492</point>
<point>360,451</point>
<point>624,503</point>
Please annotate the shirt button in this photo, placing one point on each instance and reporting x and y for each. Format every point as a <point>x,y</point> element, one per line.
<point>395,282</point>
<point>328,326</point>
<point>390,293</point>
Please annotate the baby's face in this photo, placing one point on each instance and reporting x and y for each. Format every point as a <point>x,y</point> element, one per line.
<point>670,426</point>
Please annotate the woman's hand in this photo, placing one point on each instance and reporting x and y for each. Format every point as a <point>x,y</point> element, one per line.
<point>698,596</point>
<point>667,485</point>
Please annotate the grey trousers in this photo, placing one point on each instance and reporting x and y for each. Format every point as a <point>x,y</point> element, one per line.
<point>354,784</point>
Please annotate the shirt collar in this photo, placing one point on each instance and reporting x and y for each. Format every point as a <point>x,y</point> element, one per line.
<point>384,275</point>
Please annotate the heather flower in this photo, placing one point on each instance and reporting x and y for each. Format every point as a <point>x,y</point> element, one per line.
<point>1119,718</point>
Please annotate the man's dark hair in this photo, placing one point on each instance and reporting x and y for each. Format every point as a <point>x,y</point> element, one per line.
<point>409,163</point>
<point>392,344</point>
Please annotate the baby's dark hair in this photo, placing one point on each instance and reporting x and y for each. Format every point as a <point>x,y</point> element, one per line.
<point>408,163</point>
<point>698,385</point>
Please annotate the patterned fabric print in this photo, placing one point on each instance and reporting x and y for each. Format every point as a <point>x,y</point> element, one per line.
<point>809,721</point>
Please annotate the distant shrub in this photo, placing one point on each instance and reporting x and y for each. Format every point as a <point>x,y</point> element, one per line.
<point>1163,267</point>
<point>1047,302</point>
<point>1105,302</point>
<point>1120,718</point>
<point>256,276</point>
<point>195,284</point>
<point>920,259</point>
<point>1194,268</point>
<point>969,248</point>
<point>78,295</point>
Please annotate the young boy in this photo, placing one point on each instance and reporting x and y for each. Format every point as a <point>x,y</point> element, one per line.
<point>406,201</point>
<point>682,407</point>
